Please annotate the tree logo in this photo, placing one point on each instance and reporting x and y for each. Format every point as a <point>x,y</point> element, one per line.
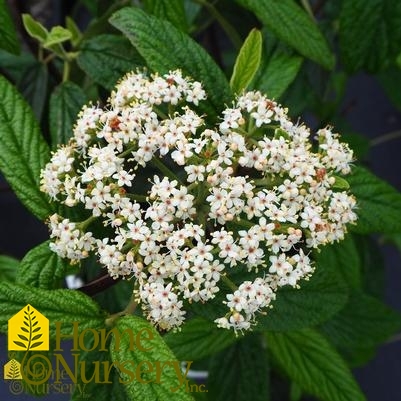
<point>28,330</point>
<point>12,370</point>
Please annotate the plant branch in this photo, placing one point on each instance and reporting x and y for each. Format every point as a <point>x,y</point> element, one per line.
<point>385,138</point>
<point>164,169</point>
<point>227,27</point>
<point>98,285</point>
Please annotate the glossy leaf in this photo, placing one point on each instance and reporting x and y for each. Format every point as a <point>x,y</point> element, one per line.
<point>247,62</point>
<point>34,28</point>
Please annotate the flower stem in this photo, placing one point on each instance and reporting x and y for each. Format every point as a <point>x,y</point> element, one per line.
<point>137,197</point>
<point>164,169</point>
<point>385,138</point>
<point>229,283</point>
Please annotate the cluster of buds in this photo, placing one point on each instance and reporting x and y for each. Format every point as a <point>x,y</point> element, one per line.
<point>254,193</point>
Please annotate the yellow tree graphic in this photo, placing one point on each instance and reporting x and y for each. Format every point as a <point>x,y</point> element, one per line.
<point>28,330</point>
<point>12,370</point>
<point>31,331</point>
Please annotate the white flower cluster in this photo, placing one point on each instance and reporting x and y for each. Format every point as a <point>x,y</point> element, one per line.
<point>252,194</point>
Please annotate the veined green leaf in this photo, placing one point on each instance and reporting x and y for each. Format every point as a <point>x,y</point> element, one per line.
<point>15,67</point>
<point>8,34</point>
<point>379,204</point>
<point>165,386</point>
<point>197,339</point>
<point>33,86</point>
<point>315,302</point>
<point>247,62</point>
<point>23,151</point>
<point>369,33</point>
<point>166,48</point>
<point>42,268</point>
<point>240,373</point>
<point>342,257</point>
<point>64,306</point>
<point>76,34</point>
<point>318,299</point>
<point>57,35</point>
<point>170,10</point>
<point>97,361</point>
<point>65,103</point>
<point>311,361</point>
<point>106,58</point>
<point>277,73</point>
<point>8,268</point>
<point>290,23</point>
<point>34,28</point>
<point>363,322</point>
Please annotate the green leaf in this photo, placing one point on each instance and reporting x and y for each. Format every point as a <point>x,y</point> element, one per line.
<point>8,34</point>
<point>318,299</point>
<point>106,58</point>
<point>166,48</point>
<point>197,339</point>
<point>74,29</point>
<point>8,268</point>
<point>163,386</point>
<point>247,62</point>
<point>42,268</point>
<point>65,103</point>
<point>23,151</point>
<point>240,373</point>
<point>369,33</point>
<point>277,73</point>
<point>170,10</point>
<point>315,302</point>
<point>379,204</point>
<point>291,24</point>
<point>33,86</point>
<point>64,306</point>
<point>310,360</point>
<point>15,67</point>
<point>363,322</point>
<point>92,363</point>
<point>57,35</point>
<point>342,257</point>
<point>34,28</point>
